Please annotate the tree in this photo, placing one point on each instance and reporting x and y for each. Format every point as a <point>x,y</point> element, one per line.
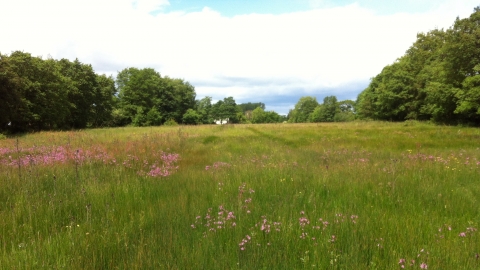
<point>144,91</point>
<point>436,79</point>
<point>331,108</point>
<point>191,117</point>
<point>304,107</point>
<point>10,99</point>
<point>244,107</point>
<point>225,109</point>
<point>204,109</point>
<point>81,92</point>
<point>469,98</point>
<point>104,102</point>
<point>42,92</point>
<point>184,98</point>
<point>347,111</point>
<point>258,116</point>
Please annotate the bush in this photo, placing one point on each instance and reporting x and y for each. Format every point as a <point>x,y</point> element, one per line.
<point>171,122</point>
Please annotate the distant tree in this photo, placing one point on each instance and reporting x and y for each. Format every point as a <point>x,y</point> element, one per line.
<point>303,109</point>
<point>184,98</point>
<point>331,108</point>
<point>258,116</point>
<point>272,117</point>
<point>204,109</point>
<point>192,117</point>
<point>244,107</point>
<point>318,115</point>
<point>346,111</point>
<point>226,108</point>
<point>144,91</point>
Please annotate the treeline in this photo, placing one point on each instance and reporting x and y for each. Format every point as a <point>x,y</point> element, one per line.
<point>38,94</point>
<point>308,110</point>
<point>47,94</point>
<point>437,79</point>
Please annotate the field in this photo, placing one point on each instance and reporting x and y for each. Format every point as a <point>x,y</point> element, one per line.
<point>361,195</point>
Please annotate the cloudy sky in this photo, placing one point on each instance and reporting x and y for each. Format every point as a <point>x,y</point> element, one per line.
<point>270,51</point>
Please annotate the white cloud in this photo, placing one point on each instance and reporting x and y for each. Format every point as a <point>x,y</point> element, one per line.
<point>307,51</point>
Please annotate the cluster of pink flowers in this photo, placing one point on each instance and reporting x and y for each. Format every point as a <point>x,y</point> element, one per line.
<point>266,226</point>
<point>244,241</point>
<point>167,166</point>
<point>164,164</point>
<point>43,155</point>
<point>224,219</point>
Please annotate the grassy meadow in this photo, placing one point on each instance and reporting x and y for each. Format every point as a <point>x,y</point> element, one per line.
<point>361,195</point>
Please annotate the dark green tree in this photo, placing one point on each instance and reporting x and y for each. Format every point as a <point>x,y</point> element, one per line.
<point>82,87</point>
<point>225,109</point>
<point>144,92</point>
<point>42,91</point>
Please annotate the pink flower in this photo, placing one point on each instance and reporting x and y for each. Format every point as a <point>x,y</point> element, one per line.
<point>423,266</point>
<point>462,234</point>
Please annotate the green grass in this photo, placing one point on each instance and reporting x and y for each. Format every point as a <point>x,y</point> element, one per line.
<point>359,195</point>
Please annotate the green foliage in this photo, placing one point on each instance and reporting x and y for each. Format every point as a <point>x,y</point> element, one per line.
<point>260,116</point>
<point>170,122</point>
<point>153,117</point>
<point>204,108</point>
<point>146,92</point>
<point>244,107</point>
<point>304,107</point>
<point>191,117</point>
<point>434,80</point>
<point>45,94</point>
<point>225,109</point>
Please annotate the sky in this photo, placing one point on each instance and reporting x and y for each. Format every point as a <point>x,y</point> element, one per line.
<point>270,51</point>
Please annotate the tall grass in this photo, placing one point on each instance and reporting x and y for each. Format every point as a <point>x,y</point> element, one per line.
<point>287,196</point>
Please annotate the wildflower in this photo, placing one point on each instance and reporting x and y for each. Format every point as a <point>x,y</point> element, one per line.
<point>462,234</point>
<point>332,239</point>
<point>423,266</point>
<point>402,261</point>
<point>230,216</point>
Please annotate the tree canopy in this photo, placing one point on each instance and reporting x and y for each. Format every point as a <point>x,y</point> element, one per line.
<point>437,79</point>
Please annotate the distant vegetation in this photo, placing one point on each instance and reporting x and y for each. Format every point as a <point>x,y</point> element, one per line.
<point>438,79</point>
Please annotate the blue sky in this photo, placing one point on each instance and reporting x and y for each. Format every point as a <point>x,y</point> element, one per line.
<point>270,51</point>
<point>232,8</point>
